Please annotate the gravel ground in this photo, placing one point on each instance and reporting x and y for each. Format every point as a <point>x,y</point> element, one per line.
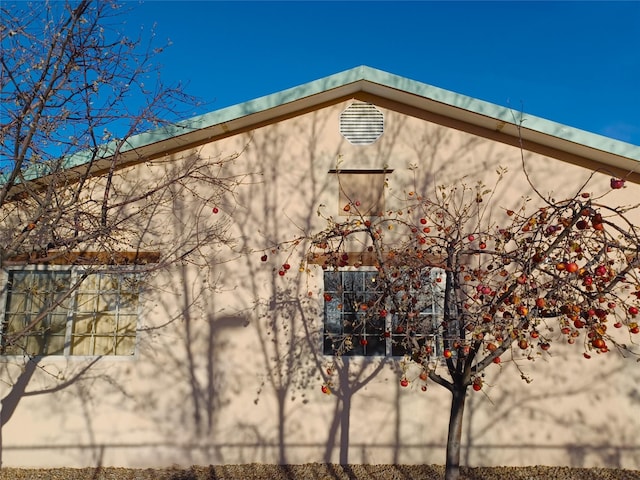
<point>317,471</point>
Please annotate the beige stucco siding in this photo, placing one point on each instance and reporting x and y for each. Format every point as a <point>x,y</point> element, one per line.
<point>229,367</point>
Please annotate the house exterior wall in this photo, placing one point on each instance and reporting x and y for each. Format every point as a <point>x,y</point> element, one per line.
<point>229,360</point>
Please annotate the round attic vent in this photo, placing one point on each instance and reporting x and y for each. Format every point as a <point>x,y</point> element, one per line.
<point>361,123</point>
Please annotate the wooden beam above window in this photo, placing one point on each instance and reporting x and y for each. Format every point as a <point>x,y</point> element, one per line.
<point>85,258</point>
<point>365,259</point>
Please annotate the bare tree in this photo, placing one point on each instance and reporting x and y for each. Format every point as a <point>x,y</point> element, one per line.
<point>75,92</point>
<point>69,81</point>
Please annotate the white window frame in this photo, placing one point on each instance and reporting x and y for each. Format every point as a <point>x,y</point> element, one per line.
<point>348,343</point>
<point>75,271</point>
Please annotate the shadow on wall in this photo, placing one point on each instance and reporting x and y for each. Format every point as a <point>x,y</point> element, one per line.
<point>350,379</point>
<point>287,327</point>
<point>197,345</point>
<point>567,403</point>
<point>283,314</point>
<point>18,388</point>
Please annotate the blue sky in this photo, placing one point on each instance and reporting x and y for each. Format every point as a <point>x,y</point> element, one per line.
<point>576,63</point>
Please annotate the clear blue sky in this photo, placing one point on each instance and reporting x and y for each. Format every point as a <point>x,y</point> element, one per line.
<point>576,63</point>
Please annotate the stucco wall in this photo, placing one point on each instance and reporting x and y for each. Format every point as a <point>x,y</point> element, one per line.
<point>228,366</point>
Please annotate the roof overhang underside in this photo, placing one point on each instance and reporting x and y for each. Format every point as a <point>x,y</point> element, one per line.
<point>497,123</point>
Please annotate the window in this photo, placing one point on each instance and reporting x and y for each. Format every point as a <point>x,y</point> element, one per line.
<point>69,312</point>
<point>360,318</point>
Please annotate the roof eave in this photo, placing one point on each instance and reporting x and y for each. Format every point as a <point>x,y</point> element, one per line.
<point>517,128</point>
<point>390,91</point>
<point>513,126</point>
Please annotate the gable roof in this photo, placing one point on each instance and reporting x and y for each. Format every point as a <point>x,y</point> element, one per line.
<point>396,93</point>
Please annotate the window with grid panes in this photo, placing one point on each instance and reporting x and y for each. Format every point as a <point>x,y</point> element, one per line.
<point>361,319</point>
<point>69,312</point>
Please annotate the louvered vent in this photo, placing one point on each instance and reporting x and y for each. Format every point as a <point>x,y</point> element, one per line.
<point>361,124</point>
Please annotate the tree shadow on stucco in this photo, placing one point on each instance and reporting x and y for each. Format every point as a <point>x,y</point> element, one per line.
<point>170,194</point>
<point>19,386</point>
<point>283,314</point>
<point>195,344</point>
<point>287,320</point>
<point>571,399</point>
<point>350,379</point>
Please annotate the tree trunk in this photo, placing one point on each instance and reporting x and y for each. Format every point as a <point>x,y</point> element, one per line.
<point>452,471</point>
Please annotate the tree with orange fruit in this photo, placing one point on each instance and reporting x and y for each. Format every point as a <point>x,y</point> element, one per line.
<point>504,287</point>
